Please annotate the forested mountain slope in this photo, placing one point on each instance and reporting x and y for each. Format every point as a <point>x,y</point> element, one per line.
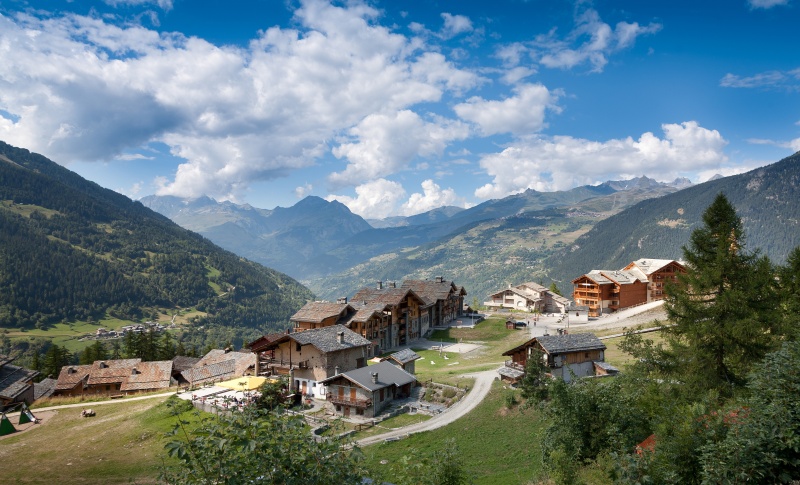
<point>72,250</point>
<point>767,199</point>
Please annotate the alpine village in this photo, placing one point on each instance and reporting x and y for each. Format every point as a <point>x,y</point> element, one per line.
<point>135,350</point>
<point>381,242</point>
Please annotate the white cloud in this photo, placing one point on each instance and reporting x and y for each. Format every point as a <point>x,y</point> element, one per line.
<point>454,25</point>
<point>591,42</point>
<point>164,4</point>
<point>766,4</point>
<point>778,79</point>
<point>303,190</point>
<point>377,199</point>
<point>793,145</point>
<point>79,88</point>
<point>387,143</point>
<point>521,114</point>
<point>563,162</point>
<point>132,191</point>
<point>432,197</point>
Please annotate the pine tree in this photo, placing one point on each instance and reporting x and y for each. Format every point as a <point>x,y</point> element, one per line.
<point>724,306</point>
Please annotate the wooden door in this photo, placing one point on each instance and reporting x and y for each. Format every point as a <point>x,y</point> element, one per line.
<point>353,394</point>
<point>305,387</point>
<point>341,392</point>
<point>346,410</point>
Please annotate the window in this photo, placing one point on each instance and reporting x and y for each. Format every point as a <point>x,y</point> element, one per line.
<point>360,362</point>
<point>298,347</point>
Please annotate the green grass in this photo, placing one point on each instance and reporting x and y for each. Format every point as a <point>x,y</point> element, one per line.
<point>617,357</point>
<point>123,443</point>
<point>497,445</point>
<point>390,424</point>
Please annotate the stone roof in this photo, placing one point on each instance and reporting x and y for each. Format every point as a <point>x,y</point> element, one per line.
<point>242,360</point>
<point>14,380</point>
<point>625,277</point>
<point>572,342</point>
<point>364,312</point>
<point>326,339</point>
<point>72,375</point>
<point>263,342</point>
<point>111,371</point>
<point>559,344</point>
<point>317,311</point>
<point>432,291</point>
<point>385,296</point>
<point>180,363</point>
<point>217,371</point>
<point>597,277</point>
<point>148,375</point>
<point>45,388</point>
<point>510,373</point>
<point>404,356</point>
<point>388,375</point>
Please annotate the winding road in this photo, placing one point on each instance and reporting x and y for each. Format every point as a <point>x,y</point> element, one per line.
<point>483,383</point>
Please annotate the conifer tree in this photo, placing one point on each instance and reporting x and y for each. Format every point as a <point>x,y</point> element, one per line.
<point>724,306</point>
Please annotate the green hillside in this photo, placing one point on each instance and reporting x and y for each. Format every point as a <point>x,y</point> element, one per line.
<point>73,251</point>
<point>767,200</point>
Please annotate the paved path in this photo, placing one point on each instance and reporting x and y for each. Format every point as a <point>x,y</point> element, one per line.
<point>483,383</point>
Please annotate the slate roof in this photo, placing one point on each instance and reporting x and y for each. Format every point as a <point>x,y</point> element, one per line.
<point>68,380</point>
<point>326,338</point>
<point>625,277</point>
<point>404,356</point>
<point>14,380</point>
<point>317,311</point>
<point>573,342</point>
<point>510,373</point>
<point>432,291</point>
<point>45,388</point>
<point>180,363</point>
<point>148,375</point>
<point>111,371</point>
<point>385,296</point>
<point>242,360</point>
<point>606,366</point>
<point>217,371</point>
<point>597,277</point>
<point>388,375</point>
<point>263,342</point>
<point>560,344</point>
<point>364,312</point>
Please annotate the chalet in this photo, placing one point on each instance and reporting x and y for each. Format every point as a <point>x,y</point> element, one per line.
<point>16,383</point>
<point>311,356</point>
<point>402,306</point>
<point>565,355</point>
<point>405,359</point>
<point>368,390</point>
<point>318,314</point>
<point>219,365</point>
<point>642,281</point>
<point>528,297</point>
<point>443,301</point>
<point>120,376</point>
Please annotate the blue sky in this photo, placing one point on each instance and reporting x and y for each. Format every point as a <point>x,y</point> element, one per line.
<point>395,108</point>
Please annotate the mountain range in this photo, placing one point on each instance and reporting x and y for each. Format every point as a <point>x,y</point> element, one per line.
<point>71,250</point>
<point>334,251</point>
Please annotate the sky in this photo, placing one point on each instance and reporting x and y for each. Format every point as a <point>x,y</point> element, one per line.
<point>398,107</point>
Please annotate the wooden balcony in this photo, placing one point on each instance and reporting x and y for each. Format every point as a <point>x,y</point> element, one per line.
<point>283,364</point>
<point>515,365</point>
<point>346,401</point>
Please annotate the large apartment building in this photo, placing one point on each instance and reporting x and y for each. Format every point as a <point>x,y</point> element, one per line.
<point>642,281</point>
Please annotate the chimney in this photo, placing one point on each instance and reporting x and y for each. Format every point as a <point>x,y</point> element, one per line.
<point>340,337</point>
<point>392,284</point>
<point>134,371</point>
<point>71,370</point>
<point>336,370</point>
<point>440,279</point>
<point>379,285</point>
<point>374,377</point>
<point>342,301</point>
<point>103,365</point>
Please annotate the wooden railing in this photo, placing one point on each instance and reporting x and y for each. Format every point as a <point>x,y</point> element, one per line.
<point>303,364</point>
<point>515,365</point>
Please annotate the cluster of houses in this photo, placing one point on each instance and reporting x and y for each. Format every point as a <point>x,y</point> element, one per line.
<point>102,333</point>
<point>530,297</point>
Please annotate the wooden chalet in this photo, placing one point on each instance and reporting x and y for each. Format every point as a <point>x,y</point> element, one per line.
<point>368,390</point>
<point>402,307</point>
<point>642,281</point>
<point>318,314</point>
<point>114,376</point>
<point>565,355</point>
<point>528,297</point>
<point>311,356</point>
<point>443,301</point>
<point>405,359</point>
<point>16,383</point>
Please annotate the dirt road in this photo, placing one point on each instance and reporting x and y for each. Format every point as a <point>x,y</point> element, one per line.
<point>483,383</point>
